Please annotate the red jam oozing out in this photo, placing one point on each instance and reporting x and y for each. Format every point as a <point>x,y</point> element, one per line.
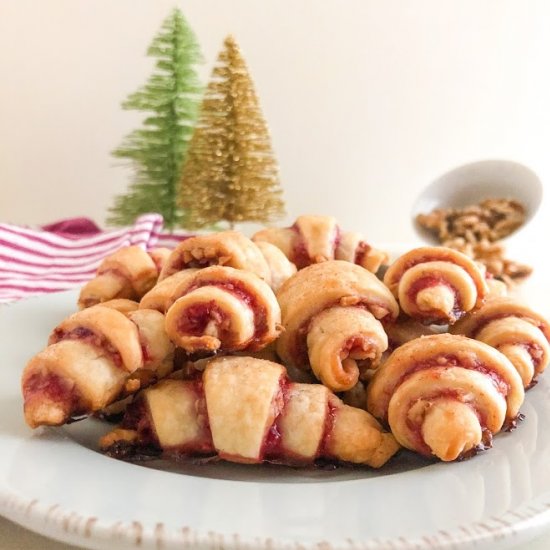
<point>361,251</point>
<point>359,343</point>
<point>272,446</point>
<point>536,353</point>
<point>145,352</point>
<point>330,417</point>
<point>197,317</point>
<point>137,417</point>
<point>337,239</point>
<point>238,289</point>
<point>429,282</point>
<point>87,335</point>
<point>300,256</point>
<point>51,387</point>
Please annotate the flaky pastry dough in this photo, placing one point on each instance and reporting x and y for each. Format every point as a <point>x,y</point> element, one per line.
<point>445,395</point>
<point>245,410</point>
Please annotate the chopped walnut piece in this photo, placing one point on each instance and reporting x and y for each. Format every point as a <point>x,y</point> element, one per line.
<point>476,231</point>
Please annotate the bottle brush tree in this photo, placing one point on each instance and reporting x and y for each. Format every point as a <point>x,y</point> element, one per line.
<point>156,151</point>
<point>230,173</point>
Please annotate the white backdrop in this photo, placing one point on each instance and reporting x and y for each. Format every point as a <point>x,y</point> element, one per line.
<point>367,101</point>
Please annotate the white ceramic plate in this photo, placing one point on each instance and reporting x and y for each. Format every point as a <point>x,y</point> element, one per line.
<point>53,481</point>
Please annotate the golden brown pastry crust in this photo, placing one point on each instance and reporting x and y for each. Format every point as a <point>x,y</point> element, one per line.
<point>436,284</point>
<point>445,395</point>
<point>226,248</point>
<point>253,414</point>
<point>225,309</point>
<point>93,358</point>
<point>315,239</point>
<point>127,273</point>
<point>239,426</point>
<point>320,287</point>
<point>104,327</point>
<point>515,330</point>
<point>57,385</point>
<point>342,342</point>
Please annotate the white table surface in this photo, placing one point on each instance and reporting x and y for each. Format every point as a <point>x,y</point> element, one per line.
<point>14,537</point>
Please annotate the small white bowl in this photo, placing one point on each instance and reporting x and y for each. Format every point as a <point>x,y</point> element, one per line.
<point>471,183</point>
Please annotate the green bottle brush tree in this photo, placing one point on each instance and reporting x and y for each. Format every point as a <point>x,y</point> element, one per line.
<point>157,150</point>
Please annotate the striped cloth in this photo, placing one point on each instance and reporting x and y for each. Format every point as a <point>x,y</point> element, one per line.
<point>66,254</point>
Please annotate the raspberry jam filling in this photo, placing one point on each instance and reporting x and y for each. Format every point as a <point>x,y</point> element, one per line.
<point>198,316</point>
<point>330,417</point>
<point>137,417</point>
<point>300,256</point>
<point>536,353</point>
<point>361,252</point>
<point>359,344</point>
<point>52,387</point>
<point>239,290</point>
<point>273,445</point>
<point>429,282</point>
<point>88,336</point>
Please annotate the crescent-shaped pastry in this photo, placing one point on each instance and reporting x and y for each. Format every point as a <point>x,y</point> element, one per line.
<point>446,395</point>
<point>333,341</point>
<point>315,239</point>
<point>515,330</point>
<point>245,410</point>
<point>93,358</point>
<point>340,337</point>
<point>127,273</point>
<point>436,285</point>
<point>223,309</point>
<point>227,248</point>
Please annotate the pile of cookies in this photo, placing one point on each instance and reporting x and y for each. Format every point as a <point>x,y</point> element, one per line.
<point>299,344</point>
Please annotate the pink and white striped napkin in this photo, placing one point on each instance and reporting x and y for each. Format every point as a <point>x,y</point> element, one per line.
<point>66,254</point>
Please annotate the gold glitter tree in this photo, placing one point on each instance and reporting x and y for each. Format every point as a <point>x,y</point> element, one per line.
<point>230,173</point>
